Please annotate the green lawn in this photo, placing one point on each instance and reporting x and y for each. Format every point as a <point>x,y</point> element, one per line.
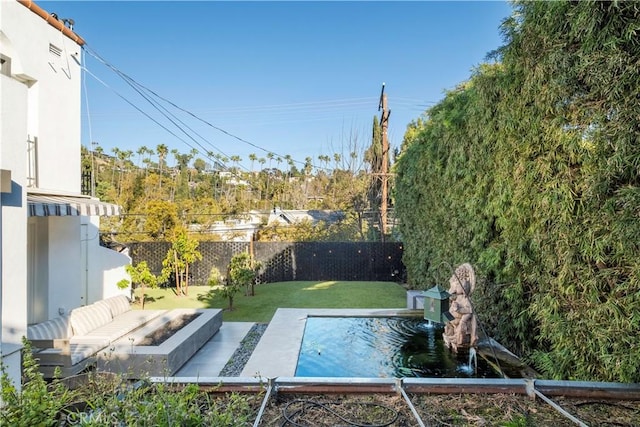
<point>270,297</point>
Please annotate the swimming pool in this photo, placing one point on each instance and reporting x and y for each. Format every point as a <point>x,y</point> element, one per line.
<point>381,347</point>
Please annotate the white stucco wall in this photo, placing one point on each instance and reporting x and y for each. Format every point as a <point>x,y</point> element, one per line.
<point>105,266</point>
<point>39,99</point>
<point>13,230</point>
<point>14,258</point>
<point>65,280</point>
<point>13,226</point>
<point>54,95</point>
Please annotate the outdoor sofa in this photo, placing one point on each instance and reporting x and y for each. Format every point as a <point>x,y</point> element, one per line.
<point>72,342</point>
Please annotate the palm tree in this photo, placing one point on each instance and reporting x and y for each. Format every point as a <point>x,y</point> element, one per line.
<point>236,160</point>
<point>116,153</point>
<point>270,156</point>
<point>307,171</point>
<point>141,152</point>
<point>147,160</point>
<point>325,160</point>
<point>253,158</point>
<point>124,157</point>
<point>336,158</point>
<point>162,151</point>
<point>308,165</point>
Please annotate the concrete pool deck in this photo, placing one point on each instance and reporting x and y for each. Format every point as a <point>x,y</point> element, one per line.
<point>211,358</point>
<point>276,355</point>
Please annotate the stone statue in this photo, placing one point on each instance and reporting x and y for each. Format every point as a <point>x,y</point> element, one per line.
<point>460,332</point>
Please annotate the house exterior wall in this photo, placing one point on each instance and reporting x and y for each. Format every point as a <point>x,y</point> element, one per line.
<point>49,265</point>
<point>13,254</point>
<point>53,93</point>
<point>65,286</point>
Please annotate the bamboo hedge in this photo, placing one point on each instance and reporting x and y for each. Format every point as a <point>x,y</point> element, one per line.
<point>531,171</point>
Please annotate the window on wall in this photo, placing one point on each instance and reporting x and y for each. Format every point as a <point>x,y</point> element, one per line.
<point>5,65</point>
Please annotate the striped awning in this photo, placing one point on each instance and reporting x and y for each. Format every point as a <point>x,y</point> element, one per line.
<point>59,205</point>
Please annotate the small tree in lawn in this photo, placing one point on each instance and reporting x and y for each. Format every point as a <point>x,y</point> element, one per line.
<point>142,277</point>
<point>240,275</point>
<point>183,253</point>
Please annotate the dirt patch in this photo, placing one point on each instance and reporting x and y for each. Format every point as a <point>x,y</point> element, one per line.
<point>520,410</point>
<point>444,410</point>
<point>337,410</point>
<point>160,335</point>
<point>603,412</point>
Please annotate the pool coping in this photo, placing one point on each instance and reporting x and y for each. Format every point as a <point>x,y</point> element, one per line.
<point>276,355</point>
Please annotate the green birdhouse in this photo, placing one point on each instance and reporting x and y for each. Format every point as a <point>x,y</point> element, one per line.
<point>436,304</point>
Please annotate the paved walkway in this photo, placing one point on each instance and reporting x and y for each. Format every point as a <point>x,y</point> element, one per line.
<point>211,358</point>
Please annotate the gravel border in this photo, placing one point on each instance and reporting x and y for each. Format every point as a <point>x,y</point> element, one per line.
<point>236,363</point>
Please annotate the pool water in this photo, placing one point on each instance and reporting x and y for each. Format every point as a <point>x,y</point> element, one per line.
<point>381,347</point>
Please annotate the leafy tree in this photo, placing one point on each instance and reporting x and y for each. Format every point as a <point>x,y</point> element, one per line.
<point>216,279</point>
<point>161,218</point>
<point>183,253</point>
<point>142,278</point>
<point>199,165</point>
<point>240,274</point>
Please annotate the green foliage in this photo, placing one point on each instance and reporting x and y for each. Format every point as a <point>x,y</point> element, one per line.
<point>142,278</point>
<point>37,403</point>
<point>241,273</point>
<point>215,278</point>
<point>160,404</point>
<point>123,284</point>
<point>109,400</point>
<point>349,229</point>
<point>161,218</point>
<point>183,253</point>
<point>157,197</point>
<point>530,171</point>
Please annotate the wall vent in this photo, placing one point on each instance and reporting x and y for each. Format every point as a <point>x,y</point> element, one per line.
<point>55,50</point>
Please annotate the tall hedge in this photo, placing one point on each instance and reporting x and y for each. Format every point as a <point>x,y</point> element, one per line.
<point>530,170</point>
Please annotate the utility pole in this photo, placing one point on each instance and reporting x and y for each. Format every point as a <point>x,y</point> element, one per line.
<point>384,172</point>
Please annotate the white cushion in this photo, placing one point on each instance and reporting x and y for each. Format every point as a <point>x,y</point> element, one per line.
<point>86,319</point>
<point>118,304</point>
<point>57,328</point>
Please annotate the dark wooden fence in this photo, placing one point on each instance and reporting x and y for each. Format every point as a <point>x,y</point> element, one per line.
<point>283,262</point>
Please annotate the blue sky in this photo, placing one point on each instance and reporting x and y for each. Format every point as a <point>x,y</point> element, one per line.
<point>296,78</point>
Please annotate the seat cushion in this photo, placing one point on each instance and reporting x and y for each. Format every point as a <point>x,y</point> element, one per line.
<point>123,324</point>
<point>86,319</point>
<point>57,328</point>
<point>118,304</point>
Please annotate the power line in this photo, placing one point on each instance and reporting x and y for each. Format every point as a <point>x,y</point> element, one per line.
<point>135,86</point>
<point>139,87</point>
<point>138,108</point>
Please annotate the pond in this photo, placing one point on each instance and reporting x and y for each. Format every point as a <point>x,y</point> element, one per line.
<point>382,347</point>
